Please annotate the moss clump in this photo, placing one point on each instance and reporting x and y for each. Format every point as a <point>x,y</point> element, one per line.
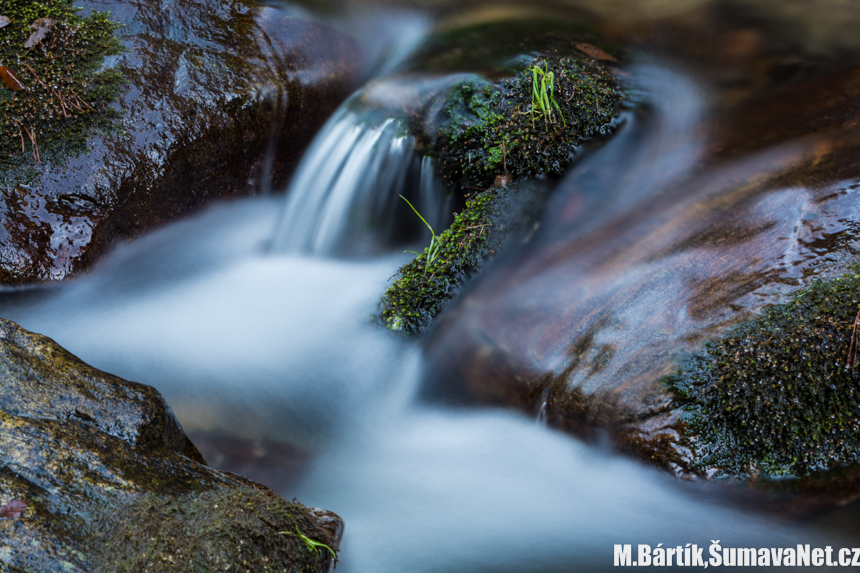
<point>484,125</point>
<point>65,92</point>
<point>422,289</point>
<point>779,395</point>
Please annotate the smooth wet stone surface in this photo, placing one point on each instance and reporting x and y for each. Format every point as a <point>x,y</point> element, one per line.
<point>623,280</point>
<point>209,84</point>
<point>96,474</point>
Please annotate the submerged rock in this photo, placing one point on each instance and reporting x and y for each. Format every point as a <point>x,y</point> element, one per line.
<point>209,101</point>
<point>97,475</point>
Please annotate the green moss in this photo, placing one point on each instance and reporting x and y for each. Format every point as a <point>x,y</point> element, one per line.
<point>479,118</point>
<point>779,395</point>
<point>422,289</point>
<point>66,91</point>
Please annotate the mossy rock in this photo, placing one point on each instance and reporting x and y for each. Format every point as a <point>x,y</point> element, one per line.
<point>779,395</point>
<point>489,221</point>
<point>64,92</point>
<point>488,129</point>
<point>179,103</point>
<point>97,475</point>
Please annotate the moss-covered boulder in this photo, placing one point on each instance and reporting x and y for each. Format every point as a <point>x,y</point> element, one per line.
<point>131,114</point>
<point>96,474</point>
<point>525,126</point>
<point>542,90</point>
<point>779,395</point>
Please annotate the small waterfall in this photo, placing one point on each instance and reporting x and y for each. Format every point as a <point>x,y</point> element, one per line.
<point>343,199</point>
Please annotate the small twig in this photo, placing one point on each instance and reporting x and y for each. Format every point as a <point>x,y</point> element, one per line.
<point>852,348</point>
<point>571,95</point>
<point>34,75</point>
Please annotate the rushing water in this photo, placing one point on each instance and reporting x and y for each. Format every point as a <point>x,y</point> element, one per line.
<point>250,329</point>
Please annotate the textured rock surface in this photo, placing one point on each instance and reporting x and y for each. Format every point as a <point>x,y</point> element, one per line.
<point>96,474</point>
<point>209,84</point>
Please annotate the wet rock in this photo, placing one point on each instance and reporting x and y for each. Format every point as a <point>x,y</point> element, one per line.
<point>212,94</point>
<point>97,475</point>
<point>622,281</point>
<point>515,127</point>
<point>490,222</point>
<point>525,114</point>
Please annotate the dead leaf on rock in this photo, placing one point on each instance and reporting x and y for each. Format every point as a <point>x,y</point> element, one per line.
<point>10,79</point>
<point>38,30</point>
<point>595,52</point>
<point>4,21</point>
<point>13,510</point>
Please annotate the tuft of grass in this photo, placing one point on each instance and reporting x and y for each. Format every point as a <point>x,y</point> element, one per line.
<point>433,249</point>
<point>312,545</point>
<point>543,95</point>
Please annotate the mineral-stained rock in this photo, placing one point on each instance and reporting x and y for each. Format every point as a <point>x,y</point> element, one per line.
<point>96,474</point>
<point>215,94</point>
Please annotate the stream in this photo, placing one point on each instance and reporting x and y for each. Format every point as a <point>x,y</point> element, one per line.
<point>254,318</point>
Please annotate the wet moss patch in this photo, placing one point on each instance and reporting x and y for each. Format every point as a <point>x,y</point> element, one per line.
<point>486,129</point>
<point>65,92</point>
<point>423,288</point>
<point>779,395</point>
<point>490,221</point>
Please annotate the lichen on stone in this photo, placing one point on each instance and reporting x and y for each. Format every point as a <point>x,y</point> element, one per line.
<point>486,129</point>
<point>779,395</point>
<point>66,92</point>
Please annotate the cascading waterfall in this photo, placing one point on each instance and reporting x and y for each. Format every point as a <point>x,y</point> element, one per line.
<point>343,199</point>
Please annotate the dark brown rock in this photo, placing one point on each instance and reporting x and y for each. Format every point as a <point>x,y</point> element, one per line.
<point>215,91</point>
<point>96,474</point>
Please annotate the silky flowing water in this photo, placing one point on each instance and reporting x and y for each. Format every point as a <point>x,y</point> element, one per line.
<point>254,319</point>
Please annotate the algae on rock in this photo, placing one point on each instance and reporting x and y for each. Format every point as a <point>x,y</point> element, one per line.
<point>779,395</point>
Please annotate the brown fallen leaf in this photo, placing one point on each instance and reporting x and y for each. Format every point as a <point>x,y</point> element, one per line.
<point>38,30</point>
<point>4,21</point>
<point>14,509</point>
<point>595,52</point>
<point>10,79</point>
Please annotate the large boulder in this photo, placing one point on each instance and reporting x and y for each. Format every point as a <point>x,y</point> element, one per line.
<point>633,269</point>
<point>209,100</point>
<point>96,474</point>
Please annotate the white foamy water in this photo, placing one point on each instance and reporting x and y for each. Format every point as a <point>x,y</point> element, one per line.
<point>344,196</point>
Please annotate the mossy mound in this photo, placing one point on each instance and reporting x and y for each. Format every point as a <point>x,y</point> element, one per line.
<point>780,395</point>
<point>424,288</point>
<point>486,129</point>
<point>489,221</point>
<point>65,92</point>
